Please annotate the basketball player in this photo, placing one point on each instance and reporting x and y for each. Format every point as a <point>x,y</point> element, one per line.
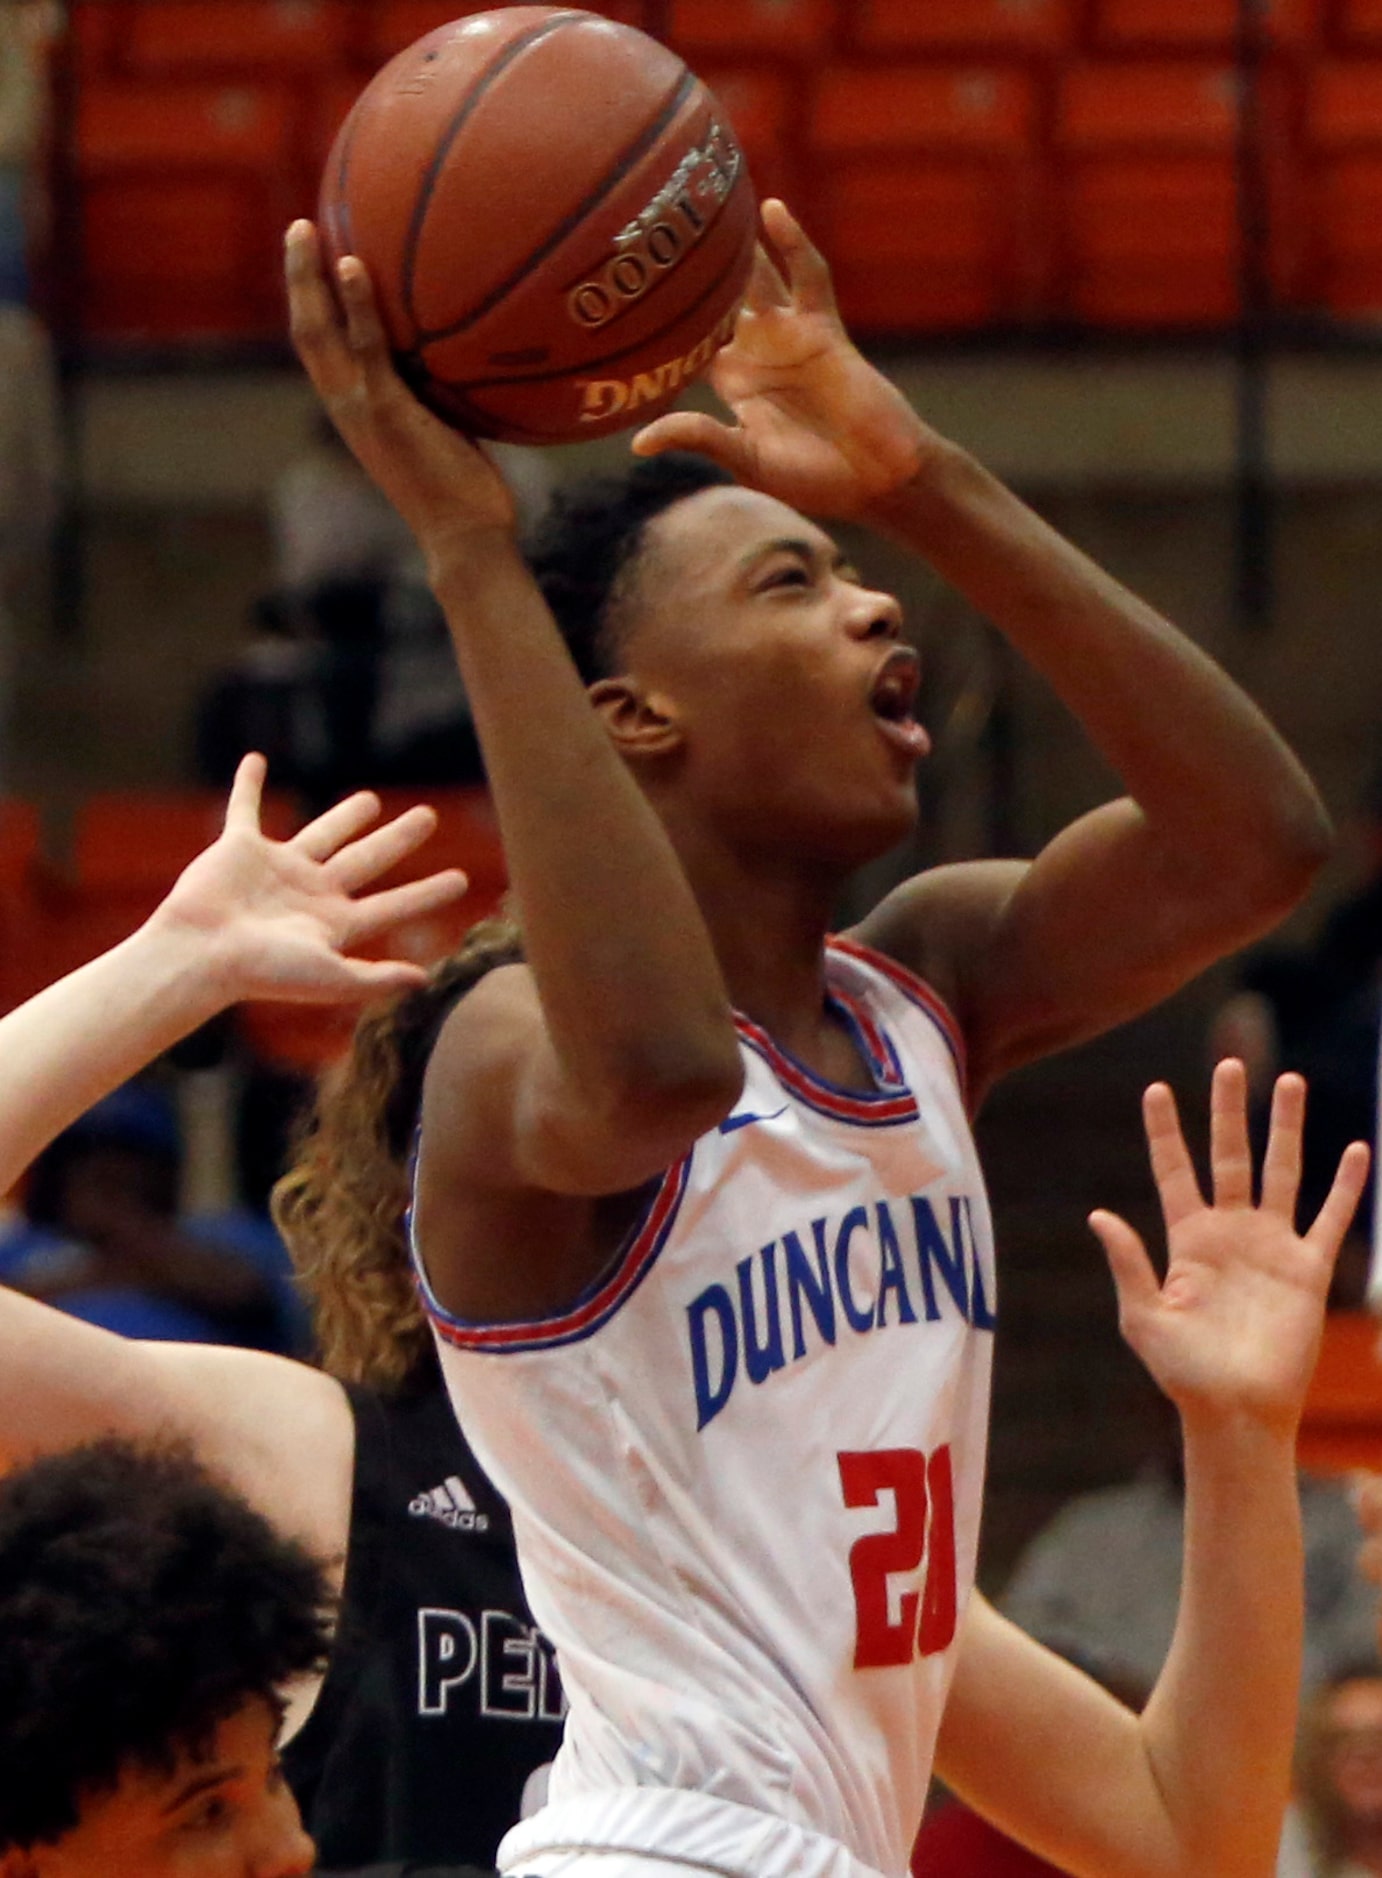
<point>149,1623</point>
<point>439,1702</point>
<point>697,1207</point>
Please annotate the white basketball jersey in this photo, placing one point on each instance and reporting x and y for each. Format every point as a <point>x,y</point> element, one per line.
<point>746,1466</point>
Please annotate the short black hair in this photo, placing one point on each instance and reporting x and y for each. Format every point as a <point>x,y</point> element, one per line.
<point>592,533</point>
<point>141,1604</point>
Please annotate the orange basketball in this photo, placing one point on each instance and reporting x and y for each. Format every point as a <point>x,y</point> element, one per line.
<point>557,218</point>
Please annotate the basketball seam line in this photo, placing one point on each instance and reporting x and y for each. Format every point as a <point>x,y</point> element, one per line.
<point>623,163</point>
<point>424,199</point>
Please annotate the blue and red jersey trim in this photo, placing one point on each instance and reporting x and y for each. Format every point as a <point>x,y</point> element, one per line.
<point>595,1306</point>
<point>883,1107</point>
<point>917,992</point>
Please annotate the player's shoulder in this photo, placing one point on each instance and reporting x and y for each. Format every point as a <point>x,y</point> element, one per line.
<point>491,1020</point>
<point>938,923</point>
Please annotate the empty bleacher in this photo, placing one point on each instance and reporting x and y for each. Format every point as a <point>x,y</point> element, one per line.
<point>966,164</point>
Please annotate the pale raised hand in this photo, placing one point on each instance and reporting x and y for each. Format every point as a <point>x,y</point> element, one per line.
<point>1234,1328</point>
<point>275,919</point>
<point>816,424</point>
<point>440,483</point>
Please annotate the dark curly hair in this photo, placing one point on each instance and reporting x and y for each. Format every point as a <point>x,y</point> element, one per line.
<point>590,538</point>
<point>141,1604</point>
<point>342,1205</point>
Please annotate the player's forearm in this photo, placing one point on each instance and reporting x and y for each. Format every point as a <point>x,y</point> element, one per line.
<point>631,990</point>
<point>1220,1726</point>
<point>83,1036</point>
<point>1192,749</point>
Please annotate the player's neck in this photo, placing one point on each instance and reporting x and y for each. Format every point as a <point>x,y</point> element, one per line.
<point>768,926</point>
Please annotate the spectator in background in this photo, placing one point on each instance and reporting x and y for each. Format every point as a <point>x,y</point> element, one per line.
<point>347,680</point>
<point>1339,1779</point>
<point>1100,1583</point>
<point>101,1237</point>
<point>149,1624</point>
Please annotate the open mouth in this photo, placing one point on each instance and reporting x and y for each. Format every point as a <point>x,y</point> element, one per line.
<point>892,699</point>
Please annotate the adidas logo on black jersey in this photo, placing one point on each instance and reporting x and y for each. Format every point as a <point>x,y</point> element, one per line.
<point>452,1505</point>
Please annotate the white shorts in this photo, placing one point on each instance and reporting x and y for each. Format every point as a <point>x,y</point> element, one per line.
<point>611,1865</point>
<point>658,1832</point>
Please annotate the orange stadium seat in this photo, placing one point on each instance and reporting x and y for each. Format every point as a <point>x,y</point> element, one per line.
<point>1341,1428</point>
<point>967,111</point>
<point>137,842</point>
<point>992,28</point>
<point>924,246</point>
<point>1359,22</point>
<point>1343,149</point>
<point>20,843</point>
<point>92,27</point>
<point>728,28</point>
<point>184,192</point>
<point>261,37</point>
<point>926,198</point>
<point>1147,191</point>
<point>326,109</point>
<point>1198,25</point>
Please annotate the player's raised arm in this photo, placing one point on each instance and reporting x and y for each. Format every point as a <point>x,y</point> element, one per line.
<point>1221,831</point>
<point>250,917</point>
<point>1199,1782</point>
<point>592,1068</point>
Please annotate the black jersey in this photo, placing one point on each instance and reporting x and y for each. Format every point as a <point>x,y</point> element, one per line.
<point>441,1698</point>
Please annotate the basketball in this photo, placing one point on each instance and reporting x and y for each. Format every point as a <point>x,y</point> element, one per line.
<point>556,216</point>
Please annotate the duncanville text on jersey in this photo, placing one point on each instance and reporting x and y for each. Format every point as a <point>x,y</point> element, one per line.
<point>895,1263</point>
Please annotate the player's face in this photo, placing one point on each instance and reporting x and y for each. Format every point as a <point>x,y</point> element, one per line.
<point>226,1813</point>
<point>790,685</point>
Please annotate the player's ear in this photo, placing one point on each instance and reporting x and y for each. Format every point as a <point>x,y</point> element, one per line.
<point>642,724</point>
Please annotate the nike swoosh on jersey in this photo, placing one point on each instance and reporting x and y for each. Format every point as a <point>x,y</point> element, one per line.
<point>732,1122</point>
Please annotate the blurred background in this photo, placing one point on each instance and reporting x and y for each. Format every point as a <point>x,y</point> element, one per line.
<point>1128,251</point>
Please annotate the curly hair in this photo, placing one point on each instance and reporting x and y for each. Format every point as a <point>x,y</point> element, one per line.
<point>141,1604</point>
<point>590,539</point>
<point>342,1206</point>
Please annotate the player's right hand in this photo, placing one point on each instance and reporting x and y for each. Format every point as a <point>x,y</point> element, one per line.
<point>444,487</point>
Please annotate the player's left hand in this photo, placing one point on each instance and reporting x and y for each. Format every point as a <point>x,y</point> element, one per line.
<point>816,425</point>
<point>275,919</point>
<point>1234,1329</point>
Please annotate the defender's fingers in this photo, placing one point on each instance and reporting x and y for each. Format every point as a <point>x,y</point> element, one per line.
<point>246,792</point>
<point>1281,1163</point>
<point>320,839</point>
<point>1341,1203</point>
<point>379,911</point>
<point>808,274</point>
<point>362,861</point>
<point>1133,1276</point>
<point>1230,1157</point>
<point>1172,1168</point>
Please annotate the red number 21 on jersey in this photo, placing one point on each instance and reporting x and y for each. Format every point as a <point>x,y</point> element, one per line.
<point>924,1500</point>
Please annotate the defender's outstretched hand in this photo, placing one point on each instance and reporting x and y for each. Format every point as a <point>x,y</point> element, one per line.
<point>816,424</point>
<point>1234,1329</point>
<point>440,483</point>
<point>276,917</point>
